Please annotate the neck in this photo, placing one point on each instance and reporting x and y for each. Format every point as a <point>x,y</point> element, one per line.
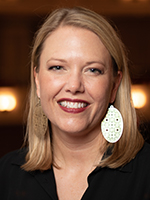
<point>76,151</point>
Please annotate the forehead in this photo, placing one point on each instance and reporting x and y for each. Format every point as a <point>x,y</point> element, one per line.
<point>68,33</point>
<point>69,38</point>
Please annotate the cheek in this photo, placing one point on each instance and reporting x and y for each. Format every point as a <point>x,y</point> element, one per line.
<point>100,90</point>
<point>50,87</point>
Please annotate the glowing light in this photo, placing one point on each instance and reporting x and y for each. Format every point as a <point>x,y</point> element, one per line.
<point>135,0</point>
<point>138,97</point>
<point>7,102</point>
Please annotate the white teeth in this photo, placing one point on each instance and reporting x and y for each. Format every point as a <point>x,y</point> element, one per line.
<point>68,104</point>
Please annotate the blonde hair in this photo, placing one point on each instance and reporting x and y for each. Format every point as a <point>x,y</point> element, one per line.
<point>39,156</point>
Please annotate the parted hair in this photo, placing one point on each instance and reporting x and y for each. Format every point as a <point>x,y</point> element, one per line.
<point>40,150</point>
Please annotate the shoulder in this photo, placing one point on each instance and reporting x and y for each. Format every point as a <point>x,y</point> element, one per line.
<point>16,183</point>
<point>16,157</point>
<point>10,169</point>
<point>143,156</point>
<point>144,153</point>
<point>140,165</point>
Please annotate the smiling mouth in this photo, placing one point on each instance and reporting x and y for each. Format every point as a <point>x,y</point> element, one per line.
<point>75,105</point>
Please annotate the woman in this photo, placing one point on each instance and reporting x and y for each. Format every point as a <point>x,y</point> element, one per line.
<point>79,70</point>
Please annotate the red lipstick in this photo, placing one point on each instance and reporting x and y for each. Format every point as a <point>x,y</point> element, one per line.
<point>73,105</point>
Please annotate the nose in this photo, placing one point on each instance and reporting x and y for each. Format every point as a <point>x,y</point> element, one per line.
<point>74,83</point>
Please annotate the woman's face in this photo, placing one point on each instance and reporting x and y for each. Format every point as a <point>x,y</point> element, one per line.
<point>75,81</point>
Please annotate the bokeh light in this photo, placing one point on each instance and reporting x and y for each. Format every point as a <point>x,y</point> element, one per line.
<point>139,97</point>
<point>7,102</point>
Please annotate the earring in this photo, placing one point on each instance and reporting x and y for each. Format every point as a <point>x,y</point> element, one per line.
<point>112,125</point>
<point>40,121</point>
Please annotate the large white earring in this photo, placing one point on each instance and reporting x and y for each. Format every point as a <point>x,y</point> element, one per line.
<point>112,125</point>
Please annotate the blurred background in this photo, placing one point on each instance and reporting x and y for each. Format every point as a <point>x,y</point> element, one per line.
<point>19,20</point>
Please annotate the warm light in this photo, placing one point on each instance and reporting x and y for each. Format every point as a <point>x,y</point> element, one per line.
<point>7,102</point>
<point>135,0</point>
<point>138,97</point>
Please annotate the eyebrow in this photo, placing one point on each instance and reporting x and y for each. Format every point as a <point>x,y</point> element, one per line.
<point>87,63</point>
<point>56,59</point>
<point>95,62</point>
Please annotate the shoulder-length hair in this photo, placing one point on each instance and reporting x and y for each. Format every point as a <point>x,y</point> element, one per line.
<point>39,156</point>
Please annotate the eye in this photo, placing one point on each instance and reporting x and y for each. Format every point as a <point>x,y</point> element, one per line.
<point>95,71</point>
<point>55,68</point>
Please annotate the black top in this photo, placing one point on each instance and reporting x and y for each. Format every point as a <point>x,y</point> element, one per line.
<point>131,182</point>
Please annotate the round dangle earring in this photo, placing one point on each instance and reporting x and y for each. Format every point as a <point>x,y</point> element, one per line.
<point>112,125</point>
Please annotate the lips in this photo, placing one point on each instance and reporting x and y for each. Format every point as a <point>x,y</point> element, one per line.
<point>73,105</point>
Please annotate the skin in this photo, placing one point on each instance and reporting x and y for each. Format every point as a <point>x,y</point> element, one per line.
<point>85,73</point>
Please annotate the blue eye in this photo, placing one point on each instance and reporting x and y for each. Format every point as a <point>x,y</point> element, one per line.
<point>57,67</point>
<point>95,70</point>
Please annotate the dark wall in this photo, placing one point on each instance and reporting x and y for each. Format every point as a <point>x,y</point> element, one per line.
<point>16,35</point>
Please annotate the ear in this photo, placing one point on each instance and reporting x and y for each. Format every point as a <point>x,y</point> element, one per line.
<point>36,78</point>
<point>117,81</point>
